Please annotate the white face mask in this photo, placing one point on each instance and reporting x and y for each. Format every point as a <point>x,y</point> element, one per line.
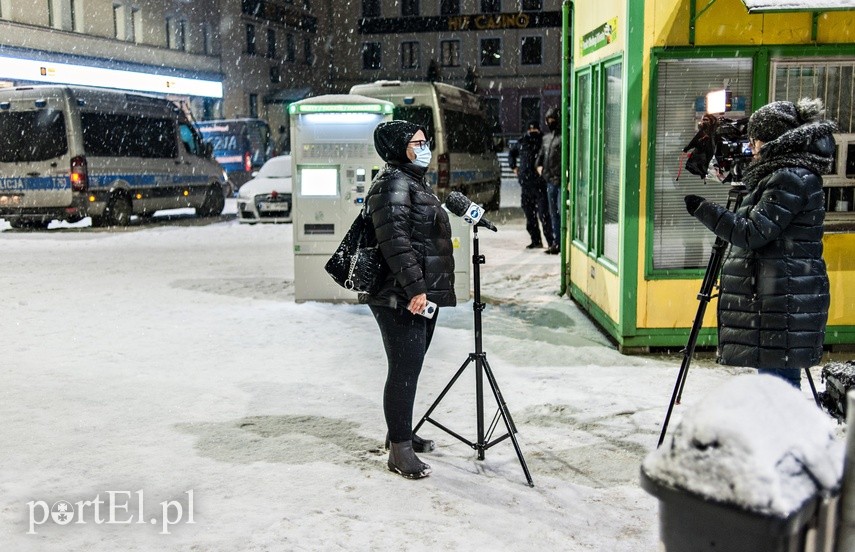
<point>423,156</point>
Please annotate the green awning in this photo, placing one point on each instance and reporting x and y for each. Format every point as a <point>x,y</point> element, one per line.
<point>766,6</point>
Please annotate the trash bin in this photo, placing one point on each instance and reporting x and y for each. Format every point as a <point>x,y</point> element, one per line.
<point>692,523</point>
<point>753,467</point>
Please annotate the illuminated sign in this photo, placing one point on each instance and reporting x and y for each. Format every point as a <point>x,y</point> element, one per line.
<point>467,22</point>
<point>85,75</point>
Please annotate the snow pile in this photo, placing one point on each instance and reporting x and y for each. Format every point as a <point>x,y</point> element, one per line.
<point>783,5</point>
<point>754,442</point>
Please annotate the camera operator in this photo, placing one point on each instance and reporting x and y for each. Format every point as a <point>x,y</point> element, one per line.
<point>774,291</point>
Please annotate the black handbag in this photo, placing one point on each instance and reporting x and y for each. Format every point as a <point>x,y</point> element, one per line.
<point>357,264</point>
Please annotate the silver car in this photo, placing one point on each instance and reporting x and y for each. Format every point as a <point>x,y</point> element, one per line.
<point>267,197</point>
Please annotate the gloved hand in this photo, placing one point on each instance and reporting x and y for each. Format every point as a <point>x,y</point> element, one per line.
<point>693,202</point>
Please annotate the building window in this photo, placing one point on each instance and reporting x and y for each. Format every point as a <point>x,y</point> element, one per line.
<point>176,33</point>
<point>275,76</point>
<point>612,121</point>
<point>307,51</point>
<point>409,8</point>
<point>450,53</point>
<point>371,55</point>
<point>118,21</point>
<point>529,110</point>
<point>62,14</point>
<point>491,6</point>
<point>449,7</point>
<point>491,52</point>
<point>370,8</point>
<point>584,154</point>
<point>136,21</point>
<point>250,40</point>
<point>181,35</point>
<point>253,105</point>
<point>531,5</point>
<point>531,50</point>
<point>678,241</point>
<point>271,43</point>
<point>409,55</point>
<point>208,38</point>
<point>290,48</point>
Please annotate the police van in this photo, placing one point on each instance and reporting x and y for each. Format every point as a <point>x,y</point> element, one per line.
<point>241,146</point>
<point>464,153</point>
<point>71,152</point>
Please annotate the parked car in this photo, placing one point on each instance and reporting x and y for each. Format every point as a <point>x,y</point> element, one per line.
<point>267,197</point>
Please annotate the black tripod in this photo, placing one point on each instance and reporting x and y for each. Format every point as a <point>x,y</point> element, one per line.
<point>479,357</point>
<point>734,199</point>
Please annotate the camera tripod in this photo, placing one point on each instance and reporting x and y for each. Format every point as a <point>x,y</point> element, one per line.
<point>482,367</point>
<point>734,199</point>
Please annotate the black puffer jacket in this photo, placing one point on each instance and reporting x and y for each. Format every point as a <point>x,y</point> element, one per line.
<point>774,297</point>
<point>414,235</point>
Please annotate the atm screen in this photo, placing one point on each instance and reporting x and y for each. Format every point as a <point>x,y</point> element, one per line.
<point>318,181</point>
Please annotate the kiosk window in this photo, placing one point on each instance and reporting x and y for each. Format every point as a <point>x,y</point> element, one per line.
<point>318,181</point>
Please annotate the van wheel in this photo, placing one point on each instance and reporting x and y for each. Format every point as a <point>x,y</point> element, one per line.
<point>117,212</point>
<point>214,202</point>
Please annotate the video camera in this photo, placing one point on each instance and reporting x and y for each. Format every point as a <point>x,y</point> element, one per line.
<point>723,141</point>
<point>733,151</point>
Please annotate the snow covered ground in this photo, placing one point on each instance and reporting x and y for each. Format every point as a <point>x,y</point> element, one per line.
<point>170,360</point>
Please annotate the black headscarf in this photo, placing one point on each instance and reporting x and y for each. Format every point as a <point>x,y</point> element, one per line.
<point>391,139</point>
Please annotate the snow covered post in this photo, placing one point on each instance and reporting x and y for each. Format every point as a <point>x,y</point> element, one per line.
<point>846,533</point>
<point>752,467</point>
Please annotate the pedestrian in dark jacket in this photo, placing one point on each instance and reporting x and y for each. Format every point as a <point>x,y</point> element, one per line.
<point>522,158</point>
<point>774,296</point>
<point>549,163</point>
<point>414,236</point>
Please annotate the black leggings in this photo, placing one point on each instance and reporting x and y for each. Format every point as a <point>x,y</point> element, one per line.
<point>406,338</point>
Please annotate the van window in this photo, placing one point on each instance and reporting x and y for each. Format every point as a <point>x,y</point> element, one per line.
<point>465,132</point>
<point>117,135</point>
<point>32,135</point>
<point>419,115</point>
<point>190,138</point>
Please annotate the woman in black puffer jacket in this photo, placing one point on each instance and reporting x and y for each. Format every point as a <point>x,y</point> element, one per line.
<point>774,291</point>
<point>414,236</point>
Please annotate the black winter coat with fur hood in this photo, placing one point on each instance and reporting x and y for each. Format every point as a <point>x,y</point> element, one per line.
<point>774,289</point>
<point>414,235</point>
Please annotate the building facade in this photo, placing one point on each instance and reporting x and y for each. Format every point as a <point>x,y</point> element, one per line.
<point>157,46</point>
<point>508,49</point>
<point>255,57</point>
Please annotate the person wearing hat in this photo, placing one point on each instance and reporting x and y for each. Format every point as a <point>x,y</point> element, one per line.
<point>414,237</point>
<point>549,166</point>
<point>522,158</point>
<point>774,291</point>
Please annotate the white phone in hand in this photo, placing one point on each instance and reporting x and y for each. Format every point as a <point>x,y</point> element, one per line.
<point>429,310</point>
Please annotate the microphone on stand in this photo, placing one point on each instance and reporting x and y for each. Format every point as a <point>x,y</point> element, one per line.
<point>472,213</point>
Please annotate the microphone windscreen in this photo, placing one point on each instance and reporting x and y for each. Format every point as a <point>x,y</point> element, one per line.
<point>457,203</point>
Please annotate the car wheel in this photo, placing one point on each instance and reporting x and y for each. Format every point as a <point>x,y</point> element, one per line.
<point>117,212</point>
<point>214,202</point>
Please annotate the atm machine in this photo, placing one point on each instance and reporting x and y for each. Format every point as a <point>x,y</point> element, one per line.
<point>333,163</point>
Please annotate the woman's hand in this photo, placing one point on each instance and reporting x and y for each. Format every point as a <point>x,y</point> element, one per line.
<point>418,303</point>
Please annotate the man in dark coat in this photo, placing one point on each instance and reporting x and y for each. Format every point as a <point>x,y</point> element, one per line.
<point>774,296</point>
<point>549,160</point>
<point>522,158</point>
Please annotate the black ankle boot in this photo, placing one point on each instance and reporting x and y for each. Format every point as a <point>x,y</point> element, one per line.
<point>419,444</point>
<point>403,461</point>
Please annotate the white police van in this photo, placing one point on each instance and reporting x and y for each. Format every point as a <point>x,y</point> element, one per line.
<point>71,152</point>
<point>464,152</point>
